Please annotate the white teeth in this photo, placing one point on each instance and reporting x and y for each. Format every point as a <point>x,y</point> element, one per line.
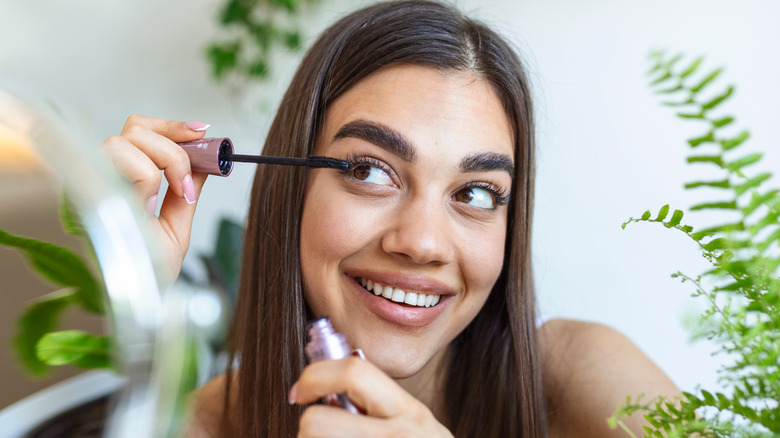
<point>399,295</point>
<point>388,293</point>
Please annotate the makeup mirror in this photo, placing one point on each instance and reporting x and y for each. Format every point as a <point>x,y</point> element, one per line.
<point>153,332</point>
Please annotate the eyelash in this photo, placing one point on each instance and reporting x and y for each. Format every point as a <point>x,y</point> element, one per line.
<point>500,195</point>
<point>362,160</point>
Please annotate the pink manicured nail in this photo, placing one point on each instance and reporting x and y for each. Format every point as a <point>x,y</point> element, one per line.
<point>188,187</point>
<point>198,126</point>
<point>293,397</point>
<point>151,206</point>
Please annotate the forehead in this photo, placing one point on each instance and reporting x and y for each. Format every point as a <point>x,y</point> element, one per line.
<point>456,109</point>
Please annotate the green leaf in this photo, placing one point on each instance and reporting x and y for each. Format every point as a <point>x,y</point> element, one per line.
<point>691,68</point>
<point>75,347</point>
<point>670,90</point>
<point>752,182</point>
<point>663,78</point>
<point>236,12</point>
<point>662,213</point>
<point>734,142</point>
<point>757,200</point>
<point>723,184</point>
<point>709,78</point>
<point>727,205</point>
<point>668,65</point>
<point>39,318</point>
<point>716,159</point>
<point>718,99</point>
<point>224,58</point>
<point>676,218</point>
<point>737,285</point>
<point>60,266</point>
<point>725,228</point>
<point>774,237</point>
<point>646,215</point>
<point>699,115</point>
<point>719,123</point>
<point>709,138</point>
<point>69,218</point>
<point>259,69</point>
<point>723,243</point>
<point>744,161</point>
<point>292,40</point>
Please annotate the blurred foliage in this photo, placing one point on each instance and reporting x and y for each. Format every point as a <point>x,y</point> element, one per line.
<point>255,30</point>
<point>742,315</point>
<point>37,344</point>
<point>223,267</point>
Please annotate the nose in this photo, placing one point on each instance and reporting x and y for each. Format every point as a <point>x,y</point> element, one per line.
<point>420,232</point>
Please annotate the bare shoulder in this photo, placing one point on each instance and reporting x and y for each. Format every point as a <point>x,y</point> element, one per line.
<point>208,407</point>
<point>588,371</point>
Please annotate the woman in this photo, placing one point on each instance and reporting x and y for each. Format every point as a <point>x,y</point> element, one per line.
<point>434,114</point>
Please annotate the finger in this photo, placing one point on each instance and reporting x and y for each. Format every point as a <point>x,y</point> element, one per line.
<point>133,165</point>
<point>363,383</point>
<point>175,130</point>
<point>176,214</point>
<point>169,157</point>
<point>320,421</point>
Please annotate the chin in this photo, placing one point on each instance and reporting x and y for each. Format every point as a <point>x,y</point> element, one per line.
<point>398,364</point>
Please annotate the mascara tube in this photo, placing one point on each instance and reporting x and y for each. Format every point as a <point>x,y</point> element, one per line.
<point>207,155</point>
<point>325,343</point>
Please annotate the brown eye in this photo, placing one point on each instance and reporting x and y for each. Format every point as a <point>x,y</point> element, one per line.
<point>361,172</point>
<point>369,173</point>
<point>464,196</point>
<point>477,197</point>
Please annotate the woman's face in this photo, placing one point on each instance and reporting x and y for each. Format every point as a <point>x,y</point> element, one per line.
<point>422,211</point>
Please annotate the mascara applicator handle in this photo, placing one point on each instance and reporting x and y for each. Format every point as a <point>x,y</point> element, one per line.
<point>207,155</point>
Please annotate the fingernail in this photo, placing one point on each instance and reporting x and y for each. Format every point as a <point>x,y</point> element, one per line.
<point>359,353</point>
<point>188,187</point>
<point>151,206</point>
<point>198,126</point>
<point>293,397</point>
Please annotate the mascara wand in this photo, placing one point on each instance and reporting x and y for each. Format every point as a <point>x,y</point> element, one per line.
<point>215,156</point>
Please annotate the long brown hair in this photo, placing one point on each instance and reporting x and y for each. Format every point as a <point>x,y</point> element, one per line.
<point>493,380</point>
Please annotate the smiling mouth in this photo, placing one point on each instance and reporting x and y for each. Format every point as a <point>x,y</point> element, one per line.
<point>399,295</point>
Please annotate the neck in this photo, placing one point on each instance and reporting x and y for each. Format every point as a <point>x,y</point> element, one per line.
<point>427,384</point>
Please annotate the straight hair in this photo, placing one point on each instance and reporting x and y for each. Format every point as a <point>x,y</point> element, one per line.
<point>493,385</point>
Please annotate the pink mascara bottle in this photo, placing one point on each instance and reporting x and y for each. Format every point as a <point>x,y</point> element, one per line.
<point>325,343</point>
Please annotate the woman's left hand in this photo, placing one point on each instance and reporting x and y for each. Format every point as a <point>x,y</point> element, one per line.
<point>389,410</point>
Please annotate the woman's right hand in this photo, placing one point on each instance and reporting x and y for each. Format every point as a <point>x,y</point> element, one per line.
<point>146,146</point>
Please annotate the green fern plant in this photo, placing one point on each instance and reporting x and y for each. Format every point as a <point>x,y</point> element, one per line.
<point>741,289</point>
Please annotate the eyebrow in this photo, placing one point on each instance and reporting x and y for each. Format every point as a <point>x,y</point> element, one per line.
<point>394,142</point>
<point>380,135</point>
<point>486,162</point>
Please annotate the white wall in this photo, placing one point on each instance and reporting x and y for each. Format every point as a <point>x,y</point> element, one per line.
<point>606,149</point>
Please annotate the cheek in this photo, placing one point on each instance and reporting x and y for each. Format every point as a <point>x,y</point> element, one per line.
<point>484,259</point>
<point>333,228</point>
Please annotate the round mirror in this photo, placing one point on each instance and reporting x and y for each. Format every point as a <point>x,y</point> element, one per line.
<point>80,289</point>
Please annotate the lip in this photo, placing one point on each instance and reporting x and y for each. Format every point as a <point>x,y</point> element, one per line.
<point>408,317</point>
